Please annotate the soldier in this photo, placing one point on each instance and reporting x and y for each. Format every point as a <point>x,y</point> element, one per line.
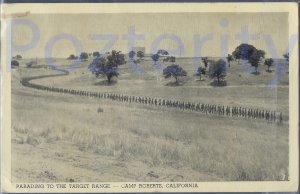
<point>227,110</point>
<point>248,113</point>
<point>145,100</point>
<point>219,110</point>
<point>198,107</point>
<point>185,105</point>
<point>193,106</point>
<point>173,103</point>
<point>263,114</point>
<point>280,117</point>
<point>275,116</point>
<point>182,105</point>
<point>271,116</point>
<point>267,115</point>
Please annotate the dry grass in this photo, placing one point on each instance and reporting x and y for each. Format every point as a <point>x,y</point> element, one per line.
<point>225,148</point>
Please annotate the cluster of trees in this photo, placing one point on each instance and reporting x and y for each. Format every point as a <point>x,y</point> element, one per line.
<point>96,54</point>
<point>107,65</point>
<point>217,71</point>
<point>155,58</point>
<point>14,63</point>
<point>171,59</point>
<point>84,55</point>
<point>72,57</point>
<point>174,71</point>
<point>139,54</point>
<point>253,55</point>
<point>249,52</point>
<point>202,70</point>
<point>163,53</point>
<point>269,62</point>
<point>17,57</point>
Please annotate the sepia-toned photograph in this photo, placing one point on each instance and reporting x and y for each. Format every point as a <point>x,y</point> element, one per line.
<point>150,100</point>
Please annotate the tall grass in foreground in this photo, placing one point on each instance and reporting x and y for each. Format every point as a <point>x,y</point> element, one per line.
<point>230,149</point>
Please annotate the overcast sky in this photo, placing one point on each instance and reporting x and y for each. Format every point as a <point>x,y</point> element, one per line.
<point>183,26</point>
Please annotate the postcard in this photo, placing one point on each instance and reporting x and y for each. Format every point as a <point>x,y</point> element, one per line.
<point>149,97</point>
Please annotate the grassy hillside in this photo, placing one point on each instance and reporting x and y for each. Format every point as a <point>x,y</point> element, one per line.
<point>69,138</point>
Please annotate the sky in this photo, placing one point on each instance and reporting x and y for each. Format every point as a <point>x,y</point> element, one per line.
<point>182,34</point>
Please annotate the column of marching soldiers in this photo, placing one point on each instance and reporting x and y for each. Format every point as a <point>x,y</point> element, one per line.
<point>235,111</point>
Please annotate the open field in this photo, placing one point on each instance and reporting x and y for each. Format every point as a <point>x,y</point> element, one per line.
<point>58,137</point>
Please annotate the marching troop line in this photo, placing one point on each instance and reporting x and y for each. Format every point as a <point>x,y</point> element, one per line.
<point>235,111</point>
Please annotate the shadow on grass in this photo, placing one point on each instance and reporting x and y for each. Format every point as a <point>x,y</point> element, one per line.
<point>221,83</point>
<point>255,73</point>
<point>105,83</point>
<point>269,71</point>
<point>175,84</point>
